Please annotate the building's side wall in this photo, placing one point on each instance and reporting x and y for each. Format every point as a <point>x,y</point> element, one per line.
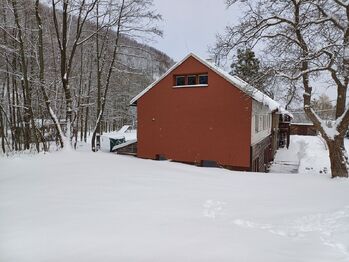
<point>195,124</point>
<point>261,136</point>
<point>275,133</point>
<point>261,128</point>
<point>261,154</point>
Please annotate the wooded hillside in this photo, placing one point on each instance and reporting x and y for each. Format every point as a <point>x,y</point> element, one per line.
<point>64,64</point>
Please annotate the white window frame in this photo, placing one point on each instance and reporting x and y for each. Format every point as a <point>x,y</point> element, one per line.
<point>187,85</point>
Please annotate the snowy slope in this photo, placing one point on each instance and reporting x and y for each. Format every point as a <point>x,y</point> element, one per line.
<point>83,206</point>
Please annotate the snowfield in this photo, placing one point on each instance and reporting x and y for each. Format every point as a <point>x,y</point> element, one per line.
<point>82,206</point>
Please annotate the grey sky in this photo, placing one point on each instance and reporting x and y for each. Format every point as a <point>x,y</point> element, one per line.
<point>191,25</point>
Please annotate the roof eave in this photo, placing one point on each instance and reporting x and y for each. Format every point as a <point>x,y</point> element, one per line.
<point>235,82</point>
<point>133,102</point>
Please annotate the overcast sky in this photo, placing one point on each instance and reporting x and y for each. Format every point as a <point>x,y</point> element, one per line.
<point>191,25</point>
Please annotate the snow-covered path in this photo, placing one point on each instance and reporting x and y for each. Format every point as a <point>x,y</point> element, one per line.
<point>306,155</point>
<point>81,206</point>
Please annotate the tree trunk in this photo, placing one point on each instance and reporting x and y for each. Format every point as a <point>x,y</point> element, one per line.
<point>96,137</point>
<point>2,134</point>
<point>87,102</point>
<point>42,74</point>
<point>337,158</point>
<point>107,81</point>
<point>82,124</point>
<point>27,90</point>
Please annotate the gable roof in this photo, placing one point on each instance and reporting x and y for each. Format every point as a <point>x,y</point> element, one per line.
<point>234,80</point>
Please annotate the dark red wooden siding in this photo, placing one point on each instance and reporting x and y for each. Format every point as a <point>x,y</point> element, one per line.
<point>195,124</point>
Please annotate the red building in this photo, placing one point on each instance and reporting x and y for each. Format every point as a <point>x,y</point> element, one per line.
<point>197,113</point>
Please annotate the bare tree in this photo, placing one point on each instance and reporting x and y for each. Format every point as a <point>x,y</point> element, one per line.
<point>63,65</point>
<point>306,39</point>
<point>84,7</point>
<point>42,81</point>
<point>131,14</point>
<point>29,120</point>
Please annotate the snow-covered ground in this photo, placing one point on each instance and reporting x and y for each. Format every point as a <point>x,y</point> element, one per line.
<point>82,206</point>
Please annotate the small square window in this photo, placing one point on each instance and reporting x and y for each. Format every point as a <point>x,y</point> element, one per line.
<point>180,80</point>
<point>192,80</point>
<point>203,79</point>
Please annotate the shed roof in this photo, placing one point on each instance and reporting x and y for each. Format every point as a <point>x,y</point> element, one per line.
<point>234,80</point>
<point>301,117</point>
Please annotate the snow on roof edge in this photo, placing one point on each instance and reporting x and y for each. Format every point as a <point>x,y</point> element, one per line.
<point>235,80</point>
<point>283,111</point>
<point>159,79</point>
<point>302,124</point>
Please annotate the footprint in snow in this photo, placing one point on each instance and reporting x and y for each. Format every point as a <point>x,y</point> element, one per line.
<point>213,208</point>
<point>277,230</point>
<point>327,225</point>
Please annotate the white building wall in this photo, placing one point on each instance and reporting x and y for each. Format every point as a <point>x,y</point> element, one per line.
<point>264,122</point>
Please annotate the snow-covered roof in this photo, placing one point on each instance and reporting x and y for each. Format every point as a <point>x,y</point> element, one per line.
<point>234,80</point>
<point>283,111</point>
<point>302,124</point>
<point>301,117</point>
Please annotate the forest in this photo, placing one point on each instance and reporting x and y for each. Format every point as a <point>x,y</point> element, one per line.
<point>68,69</point>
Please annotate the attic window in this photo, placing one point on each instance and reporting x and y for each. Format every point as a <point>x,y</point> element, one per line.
<point>180,80</point>
<point>192,80</point>
<point>203,79</point>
